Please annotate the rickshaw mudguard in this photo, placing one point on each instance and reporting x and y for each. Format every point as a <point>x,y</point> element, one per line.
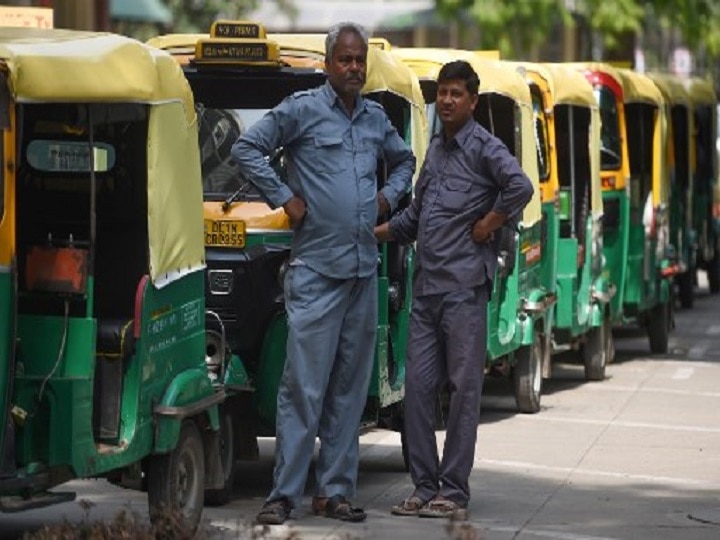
<point>190,393</point>
<point>236,377</point>
<point>536,306</point>
<point>270,368</point>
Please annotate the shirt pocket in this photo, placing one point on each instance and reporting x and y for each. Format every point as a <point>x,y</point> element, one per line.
<point>366,161</point>
<point>456,192</point>
<point>329,154</point>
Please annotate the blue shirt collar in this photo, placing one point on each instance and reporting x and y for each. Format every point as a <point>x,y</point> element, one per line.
<point>333,99</point>
<point>462,134</point>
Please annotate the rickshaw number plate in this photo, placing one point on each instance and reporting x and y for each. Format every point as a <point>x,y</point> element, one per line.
<point>224,233</point>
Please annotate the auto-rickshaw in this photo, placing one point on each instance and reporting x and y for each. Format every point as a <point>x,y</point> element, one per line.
<point>519,309</point>
<point>650,260</point>
<point>102,327</point>
<point>248,244</point>
<point>706,209</point>
<point>582,313</point>
<point>683,236</point>
<point>635,194</point>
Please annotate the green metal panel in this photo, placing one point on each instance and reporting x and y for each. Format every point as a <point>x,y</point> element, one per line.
<point>615,250</point>
<point>269,370</point>
<point>7,324</point>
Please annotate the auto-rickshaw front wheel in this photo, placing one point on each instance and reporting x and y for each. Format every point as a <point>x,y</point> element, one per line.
<point>597,350</point>
<point>658,327</point>
<point>527,375</point>
<point>176,480</point>
<point>228,447</point>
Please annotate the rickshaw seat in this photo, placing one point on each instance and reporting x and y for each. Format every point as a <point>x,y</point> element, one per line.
<point>115,339</point>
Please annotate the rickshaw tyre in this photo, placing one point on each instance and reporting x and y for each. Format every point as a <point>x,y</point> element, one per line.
<point>658,327</point>
<point>596,351</point>
<point>228,455</point>
<point>397,423</point>
<point>713,274</point>
<point>686,290</point>
<point>527,376</point>
<point>164,470</point>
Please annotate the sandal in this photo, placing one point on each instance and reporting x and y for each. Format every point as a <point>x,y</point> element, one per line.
<point>443,508</point>
<point>274,512</point>
<point>408,507</point>
<point>337,507</point>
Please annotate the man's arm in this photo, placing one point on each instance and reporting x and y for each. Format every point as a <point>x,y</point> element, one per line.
<point>277,128</point>
<point>401,166</point>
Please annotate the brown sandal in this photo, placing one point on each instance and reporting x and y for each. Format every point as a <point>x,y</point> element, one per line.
<point>337,507</point>
<point>408,507</point>
<point>443,508</point>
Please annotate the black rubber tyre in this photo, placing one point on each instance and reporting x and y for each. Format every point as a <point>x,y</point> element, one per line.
<point>686,289</point>
<point>597,351</point>
<point>527,376</point>
<point>713,273</point>
<point>658,328</point>
<point>177,479</point>
<point>228,455</point>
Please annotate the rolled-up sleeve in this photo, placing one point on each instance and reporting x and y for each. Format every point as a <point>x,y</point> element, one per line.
<point>277,128</point>
<point>401,165</point>
<point>515,188</point>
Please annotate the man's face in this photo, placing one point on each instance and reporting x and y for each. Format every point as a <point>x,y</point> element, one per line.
<point>453,103</point>
<point>348,64</point>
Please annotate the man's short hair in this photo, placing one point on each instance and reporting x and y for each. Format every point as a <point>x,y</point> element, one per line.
<point>334,33</point>
<point>460,70</point>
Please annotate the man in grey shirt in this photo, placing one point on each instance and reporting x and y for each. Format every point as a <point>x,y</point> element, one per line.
<point>332,140</point>
<point>469,186</point>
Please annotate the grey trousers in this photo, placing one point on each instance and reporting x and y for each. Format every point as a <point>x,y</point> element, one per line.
<point>332,328</point>
<point>447,345</point>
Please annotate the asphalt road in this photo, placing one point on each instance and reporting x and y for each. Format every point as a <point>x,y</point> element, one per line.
<point>636,456</point>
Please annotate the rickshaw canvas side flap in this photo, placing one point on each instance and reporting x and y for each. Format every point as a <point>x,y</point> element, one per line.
<point>174,219</point>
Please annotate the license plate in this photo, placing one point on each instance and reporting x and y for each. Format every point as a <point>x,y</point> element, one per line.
<point>224,233</point>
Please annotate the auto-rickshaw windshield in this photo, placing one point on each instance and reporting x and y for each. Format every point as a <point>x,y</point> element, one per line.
<point>218,131</point>
<point>610,133</point>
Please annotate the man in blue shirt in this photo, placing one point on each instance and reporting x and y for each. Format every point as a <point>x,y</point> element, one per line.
<point>332,140</point>
<point>469,186</point>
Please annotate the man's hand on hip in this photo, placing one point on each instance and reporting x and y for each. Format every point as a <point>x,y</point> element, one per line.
<point>296,209</point>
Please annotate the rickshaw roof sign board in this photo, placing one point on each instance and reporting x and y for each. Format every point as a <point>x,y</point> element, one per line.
<point>65,66</point>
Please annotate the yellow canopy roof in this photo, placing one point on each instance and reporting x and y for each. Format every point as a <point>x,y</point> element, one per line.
<point>538,70</point>
<point>571,86</point>
<point>639,88</point>
<point>65,65</point>
<point>701,91</point>
<point>671,87</point>
<point>495,76</point>
<point>61,66</point>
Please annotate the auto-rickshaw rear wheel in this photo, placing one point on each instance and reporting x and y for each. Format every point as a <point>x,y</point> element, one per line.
<point>658,327</point>
<point>527,375</point>
<point>228,455</point>
<point>176,480</point>
<point>713,273</point>
<point>596,350</point>
<point>686,288</point>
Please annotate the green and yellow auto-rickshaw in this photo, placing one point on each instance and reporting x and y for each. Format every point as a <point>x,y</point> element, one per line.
<point>102,327</point>
<point>638,257</point>
<point>582,314</point>
<point>683,236</point>
<point>704,159</point>
<point>651,262</point>
<point>248,244</point>
<point>519,309</point>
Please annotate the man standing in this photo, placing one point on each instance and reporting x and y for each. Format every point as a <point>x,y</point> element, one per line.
<point>332,140</point>
<point>469,186</point>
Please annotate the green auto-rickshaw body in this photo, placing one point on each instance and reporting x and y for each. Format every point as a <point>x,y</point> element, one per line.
<point>683,236</point>
<point>582,318</point>
<point>648,294</point>
<point>518,312</point>
<point>102,364</point>
<point>704,159</point>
